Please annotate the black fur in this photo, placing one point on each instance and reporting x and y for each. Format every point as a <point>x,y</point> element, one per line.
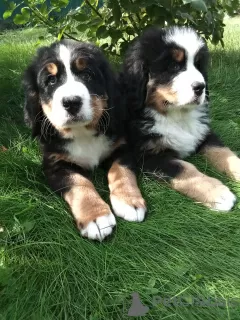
<point>99,79</point>
<point>149,56</point>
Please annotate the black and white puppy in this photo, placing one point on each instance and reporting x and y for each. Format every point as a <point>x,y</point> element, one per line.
<point>74,106</point>
<point>165,73</point>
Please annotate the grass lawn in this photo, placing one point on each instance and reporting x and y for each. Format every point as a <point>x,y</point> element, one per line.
<point>47,271</point>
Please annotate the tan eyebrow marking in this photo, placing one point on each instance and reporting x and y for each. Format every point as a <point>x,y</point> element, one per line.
<point>81,63</point>
<point>52,68</point>
<point>178,55</point>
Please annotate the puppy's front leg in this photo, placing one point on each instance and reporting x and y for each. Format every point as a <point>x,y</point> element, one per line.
<point>221,157</point>
<point>93,216</point>
<point>126,199</point>
<point>188,180</point>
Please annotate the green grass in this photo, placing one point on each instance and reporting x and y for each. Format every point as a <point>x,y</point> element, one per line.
<point>47,271</point>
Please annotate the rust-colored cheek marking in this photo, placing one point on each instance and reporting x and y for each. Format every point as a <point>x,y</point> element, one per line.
<point>98,105</point>
<point>160,97</point>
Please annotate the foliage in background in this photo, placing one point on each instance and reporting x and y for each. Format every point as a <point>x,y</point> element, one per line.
<point>116,22</point>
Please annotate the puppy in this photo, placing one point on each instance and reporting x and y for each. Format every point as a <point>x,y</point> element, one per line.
<point>75,109</point>
<point>165,72</point>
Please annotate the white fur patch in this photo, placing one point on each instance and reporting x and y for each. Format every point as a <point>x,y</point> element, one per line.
<point>185,38</point>
<point>182,130</point>
<point>127,212</point>
<point>86,149</point>
<point>188,40</point>
<point>100,229</point>
<point>59,116</point>
<point>182,84</point>
<point>225,201</point>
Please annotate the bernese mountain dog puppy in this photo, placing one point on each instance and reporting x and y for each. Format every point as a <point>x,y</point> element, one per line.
<point>75,108</point>
<point>165,72</point>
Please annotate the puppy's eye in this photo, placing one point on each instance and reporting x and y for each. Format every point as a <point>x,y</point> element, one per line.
<point>174,66</point>
<point>52,80</point>
<point>87,74</point>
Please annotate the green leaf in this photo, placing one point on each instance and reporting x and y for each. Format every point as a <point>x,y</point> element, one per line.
<point>80,17</point>
<point>11,7</point>
<point>59,3</point>
<point>102,32</point>
<point>22,18</point>
<point>198,5</point>
<point>43,9</point>
<point>116,10</point>
<point>60,34</point>
<point>82,27</point>
<point>94,3</point>
<point>7,14</point>
<point>185,16</point>
<point>104,46</point>
<point>130,31</point>
<point>115,34</point>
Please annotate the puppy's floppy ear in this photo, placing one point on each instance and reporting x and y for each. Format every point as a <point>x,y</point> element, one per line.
<point>32,108</point>
<point>203,66</point>
<point>135,77</point>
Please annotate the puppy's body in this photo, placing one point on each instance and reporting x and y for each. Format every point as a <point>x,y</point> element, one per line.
<point>73,105</point>
<point>165,72</point>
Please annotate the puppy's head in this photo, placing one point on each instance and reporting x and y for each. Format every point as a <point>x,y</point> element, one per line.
<point>68,84</point>
<point>174,63</point>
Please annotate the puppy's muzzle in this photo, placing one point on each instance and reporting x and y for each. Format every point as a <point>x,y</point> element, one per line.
<point>72,104</point>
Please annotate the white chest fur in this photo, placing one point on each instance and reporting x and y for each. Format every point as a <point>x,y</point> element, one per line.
<point>182,130</point>
<point>86,149</point>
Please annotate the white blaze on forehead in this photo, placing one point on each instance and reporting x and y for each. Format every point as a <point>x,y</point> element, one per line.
<point>70,88</point>
<point>188,40</point>
<point>65,56</point>
<point>185,38</point>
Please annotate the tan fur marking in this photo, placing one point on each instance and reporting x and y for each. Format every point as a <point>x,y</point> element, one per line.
<point>178,55</point>
<point>55,157</point>
<point>122,184</point>
<point>197,185</point>
<point>85,202</point>
<point>52,68</point>
<point>118,143</point>
<point>160,98</point>
<point>224,160</point>
<point>81,63</point>
<point>47,108</point>
<point>99,105</point>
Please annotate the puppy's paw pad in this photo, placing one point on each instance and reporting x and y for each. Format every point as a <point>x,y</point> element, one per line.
<point>225,200</point>
<point>127,212</point>
<point>100,228</point>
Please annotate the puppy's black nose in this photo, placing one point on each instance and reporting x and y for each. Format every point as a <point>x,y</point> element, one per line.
<point>72,104</point>
<point>198,88</point>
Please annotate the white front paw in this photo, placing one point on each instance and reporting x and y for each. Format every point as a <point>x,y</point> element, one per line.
<point>100,228</point>
<point>225,199</point>
<point>127,212</point>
